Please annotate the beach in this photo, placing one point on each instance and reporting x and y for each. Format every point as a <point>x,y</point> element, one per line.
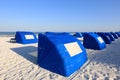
<point>19,62</point>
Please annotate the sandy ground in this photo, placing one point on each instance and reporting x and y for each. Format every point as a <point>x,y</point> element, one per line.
<point>18,62</point>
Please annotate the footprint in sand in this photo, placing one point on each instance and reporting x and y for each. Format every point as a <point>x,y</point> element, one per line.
<point>52,76</point>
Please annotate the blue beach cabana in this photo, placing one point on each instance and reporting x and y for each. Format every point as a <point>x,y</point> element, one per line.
<point>60,53</point>
<point>118,34</point>
<point>105,37</point>
<point>78,34</point>
<point>115,36</point>
<point>93,41</point>
<point>110,36</point>
<point>57,33</point>
<point>25,37</point>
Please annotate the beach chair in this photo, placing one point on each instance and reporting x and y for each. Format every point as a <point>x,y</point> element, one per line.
<point>12,40</point>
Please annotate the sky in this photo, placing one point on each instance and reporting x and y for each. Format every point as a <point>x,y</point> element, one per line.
<point>60,15</point>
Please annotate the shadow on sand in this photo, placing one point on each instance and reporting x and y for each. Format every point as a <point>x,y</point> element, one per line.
<point>110,55</point>
<point>28,52</point>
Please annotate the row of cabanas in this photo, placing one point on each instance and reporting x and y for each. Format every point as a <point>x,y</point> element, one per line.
<point>98,38</point>
<point>64,53</point>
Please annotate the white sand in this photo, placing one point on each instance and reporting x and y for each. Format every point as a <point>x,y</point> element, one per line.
<point>18,62</point>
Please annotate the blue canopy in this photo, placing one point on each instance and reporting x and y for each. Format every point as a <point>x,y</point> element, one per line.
<point>78,34</point>
<point>93,41</point>
<point>105,37</point>
<point>56,33</point>
<point>118,34</point>
<point>60,53</point>
<point>115,36</point>
<point>24,37</point>
<point>110,36</point>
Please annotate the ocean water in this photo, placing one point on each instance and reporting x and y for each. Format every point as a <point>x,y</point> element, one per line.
<point>11,33</point>
<point>7,33</point>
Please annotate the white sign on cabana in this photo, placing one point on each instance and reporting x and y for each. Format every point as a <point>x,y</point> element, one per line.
<point>100,39</point>
<point>29,36</point>
<point>73,48</point>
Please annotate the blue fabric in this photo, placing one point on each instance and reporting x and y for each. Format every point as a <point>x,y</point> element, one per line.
<point>91,42</point>
<point>20,37</point>
<point>53,56</point>
<point>110,36</point>
<point>57,33</point>
<point>78,34</point>
<point>118,34</point>
<point>105,37</point>
<point>115,36</point>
